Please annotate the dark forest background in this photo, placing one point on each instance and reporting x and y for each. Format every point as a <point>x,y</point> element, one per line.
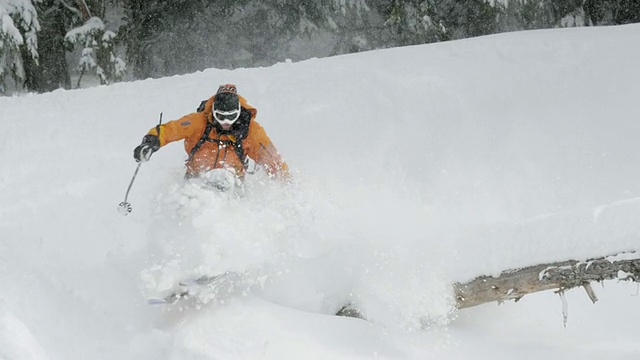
<point>67,44</point>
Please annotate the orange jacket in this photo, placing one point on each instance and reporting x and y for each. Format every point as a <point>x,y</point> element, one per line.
<point>215,153</point>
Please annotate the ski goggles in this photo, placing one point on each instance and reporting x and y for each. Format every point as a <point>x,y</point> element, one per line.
<point>227,117</point>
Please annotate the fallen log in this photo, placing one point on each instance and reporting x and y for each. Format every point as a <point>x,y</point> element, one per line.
<point>561,276</point>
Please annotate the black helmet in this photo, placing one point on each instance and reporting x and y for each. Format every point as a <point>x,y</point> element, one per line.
<point>226,102</point>
<point>226,107</point>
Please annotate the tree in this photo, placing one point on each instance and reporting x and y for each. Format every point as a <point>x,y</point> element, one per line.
<point>186,36</point>
<point>51,71</point>
<point>98,51</point>
<point>425,21</point>
<point>560,276</point>
<point>627,12</point>
<point>163,38</point>
<point>523,15</point>
<point>266,29</point>
<point>538,14</point>
<point>18,41</point>
<point>415,22</point>
<point>357,27</point>
<point>97,43</point>
<point>146,20</point>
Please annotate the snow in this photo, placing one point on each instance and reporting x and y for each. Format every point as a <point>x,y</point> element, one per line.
<point>16,341</point>
<point>415,168</point>
<point>81,33</point>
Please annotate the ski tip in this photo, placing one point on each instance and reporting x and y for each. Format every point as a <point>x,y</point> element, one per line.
<point>157,302</point>
<point>203,280</point>
<point>170,299</point>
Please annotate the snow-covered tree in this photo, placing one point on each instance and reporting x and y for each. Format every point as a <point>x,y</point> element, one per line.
<point>414,22</point>
<point>356,26</point>
<point>538,14</point>
<point>424,21</point>
<point>18,40</point>
<point>96,42</point>
<point>170,37</point>
<point>98,51</point>
<point>180,36</point>
<point>184,36</point>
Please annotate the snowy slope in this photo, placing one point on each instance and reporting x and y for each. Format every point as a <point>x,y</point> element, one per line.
<point>415,167</point>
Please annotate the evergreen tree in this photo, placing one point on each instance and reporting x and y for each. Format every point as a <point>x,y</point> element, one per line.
<point>97,44</point>
<point>425,21</point>
<point>539,14</point>
<point>524,15</point>
<point>186,36</point>
<point>357,27</point>
<point>66,25</point>
<point>98,53</point>
<point>51,71</point>
<point>167,37</point>
<point>182,36</point>
<point>627,12</point>
<point>415,22</point>
<point>18,42</point>
<point>467,18</point>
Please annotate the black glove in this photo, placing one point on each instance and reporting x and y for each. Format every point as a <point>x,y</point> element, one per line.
<point>149,145</point>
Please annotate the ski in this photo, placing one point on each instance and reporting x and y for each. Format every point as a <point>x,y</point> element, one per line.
<point>203,280</point>
<point>169,299</point>
<point>189,288</point>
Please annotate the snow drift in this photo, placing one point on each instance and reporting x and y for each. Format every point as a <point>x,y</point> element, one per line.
<point>415,168</point>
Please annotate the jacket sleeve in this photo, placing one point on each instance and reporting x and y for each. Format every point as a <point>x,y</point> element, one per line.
<point>174,130</point>
<point>263,152</point>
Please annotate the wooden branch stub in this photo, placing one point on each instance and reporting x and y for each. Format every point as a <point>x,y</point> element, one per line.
<point>589,290</point>
<point>350,310</point>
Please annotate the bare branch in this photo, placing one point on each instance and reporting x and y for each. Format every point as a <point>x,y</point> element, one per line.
<point>84,8</point>
<point>69,7</point>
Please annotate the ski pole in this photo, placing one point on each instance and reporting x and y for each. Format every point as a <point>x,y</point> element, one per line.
<point>125,207</point>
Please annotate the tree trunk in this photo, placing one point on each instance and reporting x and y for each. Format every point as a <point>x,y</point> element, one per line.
<point>514,284</point>
<point>84,10</point>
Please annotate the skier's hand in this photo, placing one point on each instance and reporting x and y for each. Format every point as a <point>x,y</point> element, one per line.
<point>142,153</point>
<point>149,145</point>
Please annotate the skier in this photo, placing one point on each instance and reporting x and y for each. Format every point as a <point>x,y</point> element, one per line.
<point>220,135</point>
